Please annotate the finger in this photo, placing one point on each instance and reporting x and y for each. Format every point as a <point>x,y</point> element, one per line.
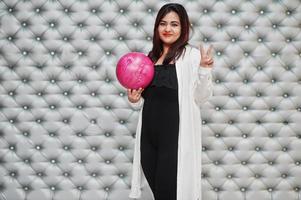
<point>202,50</point>
<point>209,52</point>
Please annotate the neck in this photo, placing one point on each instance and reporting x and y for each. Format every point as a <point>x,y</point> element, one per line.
<point>165,49</point>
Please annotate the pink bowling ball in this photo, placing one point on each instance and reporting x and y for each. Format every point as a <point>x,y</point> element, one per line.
<point>135,70</point>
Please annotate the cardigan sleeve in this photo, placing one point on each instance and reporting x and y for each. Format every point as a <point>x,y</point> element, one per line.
<point>203,88</point>
<point>137,105</point>
<point>202,85</point>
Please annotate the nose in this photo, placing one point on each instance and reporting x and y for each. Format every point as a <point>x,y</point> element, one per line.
<point>167,28</point>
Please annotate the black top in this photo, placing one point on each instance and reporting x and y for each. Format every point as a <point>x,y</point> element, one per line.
<point>165,76</point>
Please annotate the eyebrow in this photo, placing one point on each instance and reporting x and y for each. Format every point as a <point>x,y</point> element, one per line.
<point>171,21</point>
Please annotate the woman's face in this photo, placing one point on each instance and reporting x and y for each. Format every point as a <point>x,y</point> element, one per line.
<point>169,28</point>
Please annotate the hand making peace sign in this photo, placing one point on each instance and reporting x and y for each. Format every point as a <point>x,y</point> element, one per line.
<point>206,57</point>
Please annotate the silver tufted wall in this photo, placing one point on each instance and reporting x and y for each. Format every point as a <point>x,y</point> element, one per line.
<point>66,128</point>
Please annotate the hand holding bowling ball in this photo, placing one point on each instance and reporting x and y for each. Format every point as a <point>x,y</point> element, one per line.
<point>135,70</point>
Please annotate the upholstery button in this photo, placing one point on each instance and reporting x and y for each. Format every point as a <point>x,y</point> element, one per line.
<point>12,121</point>
<point>216,189</point>
<point>285,95</point>
<point>274,26</point>
<point>205,39</point>
<point>107,107</point>
<point>219,26</point>
<point>121,94</point>
<point>229,176</point>
<point>39,121</point>
<point>233,11</point>
<point>52,107</point>
<point>40,174</point>
<point>272,109</point>
<point>66,148</point>
<point>12,147</point>
<point>217,135</point>
<point>24,52</point>
<point>261,12</point>
<point>257,148</point>
<point>51,24</point>
<point>258,94</point>
<point>216,162</point>
<point>288,12</point>
<point>297,163</point>
<point>107,188</point>
<point>257,176</point>
<point>52,53</point>
<point>80,161</point>
<point>244,162</point>
<point>26,188</point>
<point>247,26</point>
<point>219,53</point>
<point>259,67</point>
<point>121,148</point>
<point>230,148</point>
<point>38,147</point>
<point>246,54</point>
<point>204,148</point>
<point>13,174</point>
<point>10,38</point>
<point>65,121</point>
<point>274,54</point>
<point>80,187</point>
<point>270,189</point>
<point>245,108</point>
<point>217,81</point>
<point>107,161</point>
<point>259,40</point>
<point>231,94</point>
<point>148,38</point>
<point>10,9</point>
<point>25,133</point>
<point>121,175</point>
<point>149,10</point>
<point>26,160</point>
<point>284,175</point>
<point>230,121</point>
<point>25,107</point>
<point>258,122</point>
<point>108,53</point>
<point>65,93</point>
<point>297,189</point>
<point>121,10</point>
<point>80,53</point>
<point>243,189</point>
<point>94,148</point>
<point>93,10</point>
<point>94,174</point>
<point>205,11</point>
<point>204,122</point>
<point>24,24</point>
<point>52,134</point>
<point>66,10</point>
<point>53,188</point>
<point>66,174</point>
<point>53,161</point>
<point>52,81</point>
<point>233,67</point>
<point>107,80</point>
<point>271,163</point>
<point>107,134</point>
<point>79,134</point>
<point>79,107</point>
<point>93,94</point>
<point>93,121</point>
<point>271,135</point>
<point>217,108</point>
<point>120,38</point>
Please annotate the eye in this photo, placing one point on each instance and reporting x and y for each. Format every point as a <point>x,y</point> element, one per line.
<point>162,24</point>
<point>175,25</point>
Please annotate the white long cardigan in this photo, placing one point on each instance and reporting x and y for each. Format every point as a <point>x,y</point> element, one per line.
<point>194,88</point>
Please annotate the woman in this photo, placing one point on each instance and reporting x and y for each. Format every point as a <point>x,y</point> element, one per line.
<point>168,138</point>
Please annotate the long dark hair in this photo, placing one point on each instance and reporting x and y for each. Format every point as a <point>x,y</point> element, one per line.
<point>178,47</point>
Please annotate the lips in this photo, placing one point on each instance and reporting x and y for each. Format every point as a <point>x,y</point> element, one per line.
<point>167,34</point>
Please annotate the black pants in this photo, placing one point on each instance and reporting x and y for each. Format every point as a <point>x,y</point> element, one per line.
<point>159,142</point>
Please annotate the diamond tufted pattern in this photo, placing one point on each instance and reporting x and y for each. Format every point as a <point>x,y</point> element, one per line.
<point>67,130</point>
